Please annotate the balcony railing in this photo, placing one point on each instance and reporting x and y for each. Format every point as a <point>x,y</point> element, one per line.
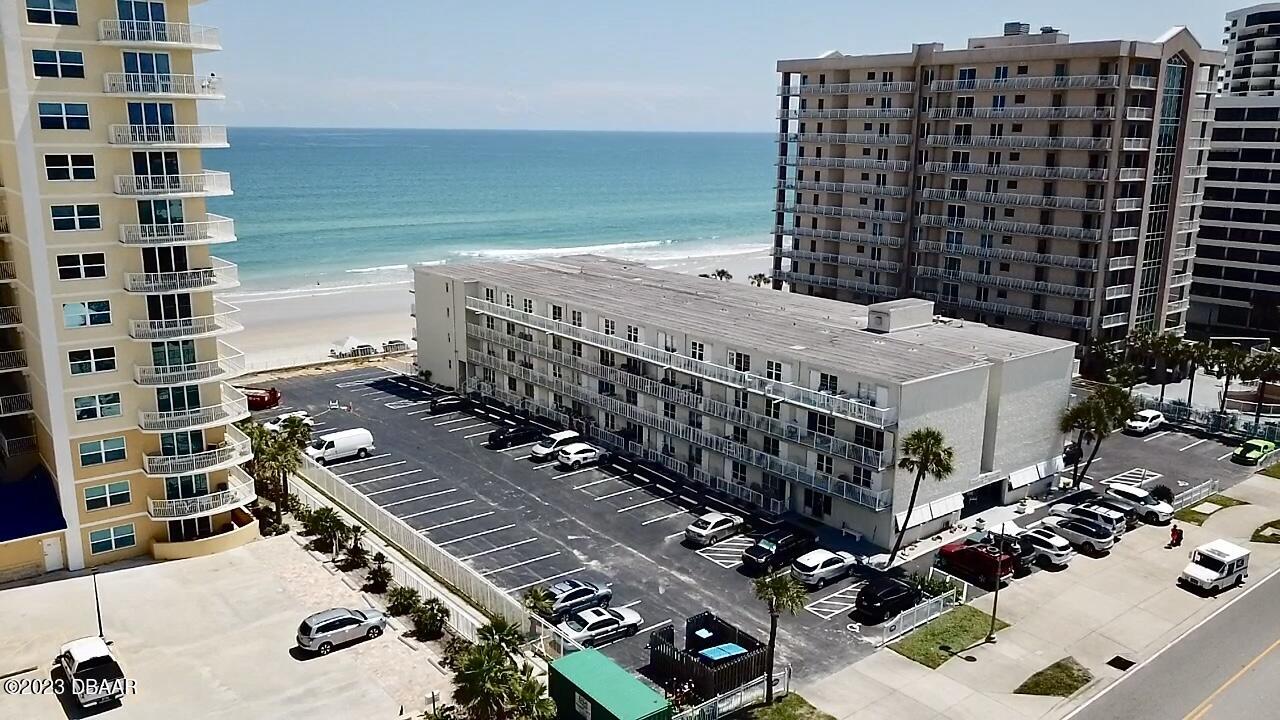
<point>1010,283</point>
<point>219,276</point>
<point>999,253</point>
<point>1180,279</point>
<point>142,32</point>
<point>1022,141</point>
<point>1199,144</point>
<point>15,404</point>
<point>1062,82</point>
<point>839,162</point>
<point>840,235</point>
<point>240,492</point>
<point>846,113</point>
<point>1186,226</point>
<point>234,450</point>
<point>1066,112</point>
<point>1047,172</point>
<point>856,188</point>
<point>8,270</point>
<point>1183,253</point>
<point>13,446</point>
<point>1139,113</point>
<point>219,323</point>
<point>1135,143</point>
<point>1200,115</point>
<point>847,138</point>
<point>848,88</point>
<point>1131,174</point>
<point>987,198</point>
<point>228,364</point>
<point>163,85</point>
<point>840,211</point>
<point>4,224</point>
<point>1196,171</point>
<point>1115,320</point>
<point>1124,233</point>
<point>209,183</point>
<point>1123,262</point>
<point>834,259</point>
<point>1205,87</point>
<point>1018,311</point>
<point>212,230</point>
<point>10,316</point>
<point>1196,198</point>
<point>846,407</point>
<point>234,406</point>
<point>13,360</point>
<point>1124,204</point>
<point>1013,228</point>
<point>1143,82</point>
<point>887,291</point>
<point>1116,292</point>
<point>169,136</point>
<point>1177,306</point>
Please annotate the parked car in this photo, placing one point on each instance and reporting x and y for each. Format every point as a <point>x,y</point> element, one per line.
<point>1144,421</point>
<point>985,562</point>
<point>510,435</point>
<point>575,455</point>
<point>776,548</point>
<point>549,446</point>
<point>1253,451</point>
<point>1130,516</point>
<point>323,631</point>
<point>1048,547</point>
<point>1087,535</point>
<point>1110,519</point>
<point>92,671</point>
<point>883,598</point>
<point>276,423</point>
<point>341,444</point>
<point>261,398</point>
<point>448,404</point>
<point>571,596</point>
<point>1143,502</point>
<point>818,567</point>
<point>595,625</point>
<point>712,527</point>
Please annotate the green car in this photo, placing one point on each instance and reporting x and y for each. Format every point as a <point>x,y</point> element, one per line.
<point>1253,451</point>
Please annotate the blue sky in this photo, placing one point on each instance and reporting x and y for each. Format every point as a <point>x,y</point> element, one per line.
<point>705,65</point>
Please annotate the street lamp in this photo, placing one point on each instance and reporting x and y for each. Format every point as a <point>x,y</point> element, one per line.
<point>97,606</point>
<point>995,604</point>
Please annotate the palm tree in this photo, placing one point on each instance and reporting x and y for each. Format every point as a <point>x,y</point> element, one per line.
<point>723,274</point>
<point>780,593</point>
<point>924,452</point>
<point>1076,419</point>
<point>1196,355</point>
<point>539,601</point>
<point>483,682</point>
<point>759,279</point>
<point>1094,419</point>
<point>503,633</point>
<point>1168,351</point>
<point>1228,363</point>
<point>444,712</point>
<point>1264,368</point>
<point>529,700</point>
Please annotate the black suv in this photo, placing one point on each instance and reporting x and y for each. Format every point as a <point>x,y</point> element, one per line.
<point>778,548</point>
<point>449,403</point>
<point>505,437</point>
<point>883,598</point>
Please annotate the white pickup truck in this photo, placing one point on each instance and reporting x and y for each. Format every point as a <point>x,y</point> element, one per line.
<point>93,675</point>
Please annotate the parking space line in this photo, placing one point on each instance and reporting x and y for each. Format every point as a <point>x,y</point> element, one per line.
<point>593,482</point>
<point>459,521</point>
<point>375,467</point>
<point>371,392</point>
<point>469,427</point>
<point>640,505</point>
<point>490,551</point>
<point>727,553</point>
<point>664,517</point>
<point>557,576</point>
<point>620,492</point>
<point>401,487</point>
<point>478,434</point>
<point>517,447</point>
<point>633,603</point>
<point>421,497</point>
<point>434,510</point>
<point>1225,456</point>
<point>522,563</point>
<point>840,601</point>
<point>385,477</point>
<point>654,626</point>
<point>579,471</point>
<point>708,501</point>
<point>356,460</point>
<point>1162,433</point>
<point>363,381</point>
<point>674,535</point>
<point>419,412</point>
<point>402,404</point>
<point>1184,449</point>
<point>524,457</point>
<point>464,418</point>
<point>482,533</point>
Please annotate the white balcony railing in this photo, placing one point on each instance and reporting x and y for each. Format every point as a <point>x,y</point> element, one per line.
<point>845,113</point>
<point>1139,113</point>
<point>220,275</point>
<point>1205,87</point>
<point>240,492</point>
<point>234,450</point>
<point>1179,280</point>
<point>143,32</point>
<point>886,291</point>
<point>1196,171</point>
<point>1067,142</point>
<point>209,183</point>
<point>1115,320</point>
<point>1013,228</point>
<point>1177,306</point>
<point>834,259</point>
<point>1143,82</point>
<point>847,138</point>
<point>1124,233</point>
<point>1047,172</point>
<point>1135,143</point>
<point>212,230</point>
<point>1000,253</point>
<point>228,364</point>
<point>1130,174</point>
<point>1199,144</point>
<point>233,406</point>
<point>1116,292</point>
<point>1023,199</point>
<point>1200,115</point>
<point>840,235</point>
<point>1184,253</point>
<point>163,85</point>
<point>1123,262</point>
<point>218,323</point>
<point>1019,82</point>
<point>1018,311</point>
<point>1186,226</point>
<point>15,404</point>
<point>1037,287</point>
<point>1067,112</point>
<point>176,136</point>
<point>892,216</point>
<point>856,188</point>
<point>1126,204</point>
<point>1195,198</point>
<point>839,162</point>
<point>848,88</point>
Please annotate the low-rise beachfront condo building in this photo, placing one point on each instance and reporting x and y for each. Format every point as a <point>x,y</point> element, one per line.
<point>1024,181</point>
<point>116,434</point>
<point>787,403</point>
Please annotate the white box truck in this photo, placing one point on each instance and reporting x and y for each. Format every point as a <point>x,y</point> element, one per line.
<point>1216,566</point>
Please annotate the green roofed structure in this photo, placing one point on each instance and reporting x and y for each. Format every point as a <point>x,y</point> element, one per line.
<point>586,685</point>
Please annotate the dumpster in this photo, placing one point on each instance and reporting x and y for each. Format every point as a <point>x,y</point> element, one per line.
<point>586,685</point>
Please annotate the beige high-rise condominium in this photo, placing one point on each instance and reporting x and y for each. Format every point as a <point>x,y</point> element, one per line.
<point>1025,181</point>
<point>115,415</point>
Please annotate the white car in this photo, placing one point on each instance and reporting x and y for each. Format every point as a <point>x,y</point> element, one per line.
<point>575,455</point>
<point>1144,421</point>
<point>1110,519</point>
<point>1143,503</point>
<point>1044,544</point>
<point>818,567</point>
<point>91,667</point>
<point>712,528</point>
<point>1088,536</point>
<point>550,445</point>
<point>595,625</point>
<point>276,423</point>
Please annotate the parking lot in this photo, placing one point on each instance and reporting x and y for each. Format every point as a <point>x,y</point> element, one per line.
<point>1173,456</point>
<point>522,524</point>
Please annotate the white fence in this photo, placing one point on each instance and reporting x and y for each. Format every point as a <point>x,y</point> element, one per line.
<point>752,693</point>
<point>1195,495</point>
<point>909,620</point>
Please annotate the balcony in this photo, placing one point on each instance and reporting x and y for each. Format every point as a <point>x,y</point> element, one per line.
<point>1124,204</point>
<point>1065,142</point>
<point>8,270</point>
<point>1199,144</point>
<point>855,188</point>
<point>1019,256</point>
<point>163,87</point>
<point>234,450</point>
<point>887,291</point>
<point>1204,87</point>
<point>1184,253</point>
<point>1115,292</point>
<point>847,138</point>
<point>240,492</point>
<point>1124,262</point>
<point>1179,280</point>
<point>1135,143</point>
<point>221,275</point>
<point>1177,306</point>
<point>840,211</point>
<point>1131,174</point>
<point>1001,281</point>
<point>1143,82</point>
<point>1200,115</point>
<point>1186,226</point>
<point>10,316</point>
<point>1139,113</point>
<point>1124,233</point>
<point>160,35</point>
<point>219,323</point>
<point>1013,228</point>
<point>15,404</point>
<point>4,224</point>
<point>848,88</point>
<point>847,163</point>
<point>13,446</point>
<point>842,236</point>
<point>233,407</point>
<point>168,136</point>
<point>987,198</point>
<point>834,259</point>
<point>1115,320</point>
<point>846,113</point>
<point>214,229</point>
<point>242,529</point>
<point>1057,82</point>
<point>1196,171</point>
<point>1018,311</point>
<point>13,360</point>
<point>209,183</point>
<point>1047,172</point>
<point>1196,198</point>
<point>228,364</point>
<point>1067,112</point>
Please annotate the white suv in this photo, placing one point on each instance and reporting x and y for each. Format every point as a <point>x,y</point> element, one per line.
<point>819,567</point>
<point>1143,503</point>
<point>549,445</point>
<point>575,455</point>
<point>1046,545</point>
<point>1144,422</point>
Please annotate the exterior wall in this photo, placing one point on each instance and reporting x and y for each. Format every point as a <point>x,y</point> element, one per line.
<point>439,314</point>
<point>244,529</point>
<point>23,558</point>
<point>1031,395</point>
<point>953,404</point>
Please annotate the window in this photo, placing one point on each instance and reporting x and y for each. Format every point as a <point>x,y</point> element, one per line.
<point>669,410</point>
<point>67,218</point>
<point>58,63</point>
<point>68,167</point>
<point>528,305</point>
<point>632,397</point>
<point>116,538</point>
<point>773,408</point>
<point>696,350</point>
<point>822,424</point>
<point>64,116</point>
<point>633,333</point>
<point>557,313</point>
<point>575,318</point>
<point>739,435</point>
<point>828,383</point>
<point>97,452</point>
<point>94,407</point>
<point>52,12</point>
<point>741,399</point>
<point>86,314</point>
<point>824,464</point>
<point>575,349</point>
<point>609,326</point>
<point>82,266</point>
<point>93,360</point>
<point>772,446</point>
<point>738,472</point>
<point>104,496</point>
<point>773,370</point>
<point>509,300</point>
<point>488,295</point>
<point>740,361</point>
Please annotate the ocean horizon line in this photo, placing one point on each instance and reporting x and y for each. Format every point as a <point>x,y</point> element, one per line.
<point>503,130</point>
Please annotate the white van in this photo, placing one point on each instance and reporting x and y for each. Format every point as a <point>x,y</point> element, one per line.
<point>341,444</point>
<point>549,446</point>
<point>1216,565</point>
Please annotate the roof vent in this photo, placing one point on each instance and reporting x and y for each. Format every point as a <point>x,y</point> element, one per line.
<point>1048,29</point>
<point>1017,28</point>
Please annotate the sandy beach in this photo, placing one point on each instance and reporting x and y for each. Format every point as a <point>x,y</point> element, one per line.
<point>301,326</point>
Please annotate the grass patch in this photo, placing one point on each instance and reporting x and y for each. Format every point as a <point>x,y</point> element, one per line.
<point>1188,515</point>
<point>961,628</point>
<point>791,707</point>
<point>1261,536</point>
<point>1061,679</point>
<point>1272,471</point>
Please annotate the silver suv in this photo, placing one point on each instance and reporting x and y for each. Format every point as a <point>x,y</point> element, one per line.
<point>322,631</point>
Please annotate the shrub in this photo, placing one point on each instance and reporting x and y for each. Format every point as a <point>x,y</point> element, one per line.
<point>357,554</point>
<point>379,576</point>
<point>402,600</point>
<point>429,619</point>
<point>933,587</point>
<point>455,650</point>
<point>1162,493</point>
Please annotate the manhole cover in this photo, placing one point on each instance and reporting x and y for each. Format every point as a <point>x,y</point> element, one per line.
<point>1120,663</point>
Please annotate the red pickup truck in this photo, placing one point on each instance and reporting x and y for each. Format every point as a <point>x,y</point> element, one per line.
<point>984,562</point>
<point>261,398</point>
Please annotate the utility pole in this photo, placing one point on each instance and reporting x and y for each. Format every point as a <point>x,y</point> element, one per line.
<point>96,604</point>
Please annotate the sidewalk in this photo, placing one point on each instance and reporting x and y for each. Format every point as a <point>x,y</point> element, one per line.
<point>1124,604</point>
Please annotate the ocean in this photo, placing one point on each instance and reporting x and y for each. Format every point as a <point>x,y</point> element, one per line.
<point>348,207</point>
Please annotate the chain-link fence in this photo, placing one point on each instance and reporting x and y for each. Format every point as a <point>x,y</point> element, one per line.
<point>1230,422</point>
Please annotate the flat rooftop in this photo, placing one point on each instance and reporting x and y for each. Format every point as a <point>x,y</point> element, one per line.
<point>777,324</point>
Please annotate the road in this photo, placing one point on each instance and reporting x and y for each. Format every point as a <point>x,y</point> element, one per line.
<point>1224,670</point>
